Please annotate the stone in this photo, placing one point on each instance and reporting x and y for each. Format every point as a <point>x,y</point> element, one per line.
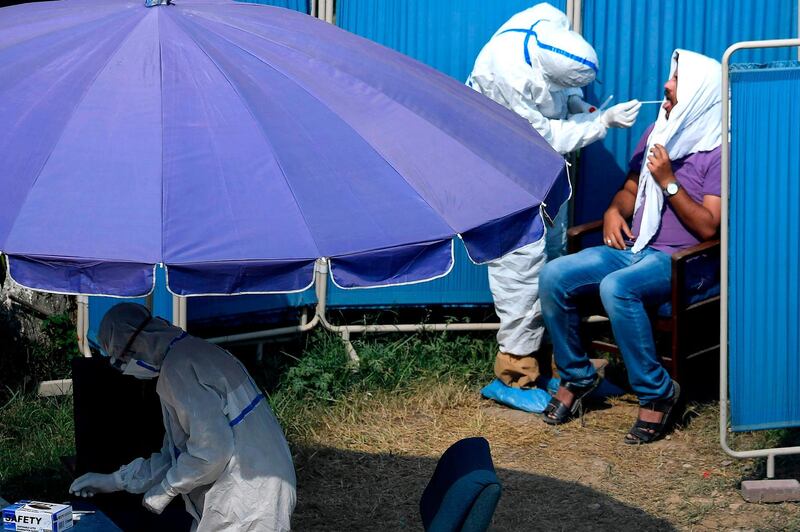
<point>771,490</point>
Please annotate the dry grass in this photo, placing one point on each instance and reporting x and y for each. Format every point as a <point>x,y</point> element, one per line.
<point>367,460</point>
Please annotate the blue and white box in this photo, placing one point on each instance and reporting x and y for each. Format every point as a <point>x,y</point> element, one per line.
<point>37,516</point>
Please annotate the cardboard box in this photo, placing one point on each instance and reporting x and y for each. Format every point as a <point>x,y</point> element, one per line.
<point>36,516</point>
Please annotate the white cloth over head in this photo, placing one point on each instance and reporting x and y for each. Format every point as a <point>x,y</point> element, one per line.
<point>694,125</point>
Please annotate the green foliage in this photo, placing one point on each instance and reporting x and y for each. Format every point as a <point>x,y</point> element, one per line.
<point>23,366</point>
<point>51,359</point>
<point>34,434</point>
<point>387,362</point>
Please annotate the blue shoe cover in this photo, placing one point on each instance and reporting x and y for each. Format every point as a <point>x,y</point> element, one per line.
<point>535,399</point>
<point>530,400</point>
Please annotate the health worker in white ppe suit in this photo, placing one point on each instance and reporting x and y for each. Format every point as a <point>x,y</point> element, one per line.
<point>224,452</point>
<point>534,65</point>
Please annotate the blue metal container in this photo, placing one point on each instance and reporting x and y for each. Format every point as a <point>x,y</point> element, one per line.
<point>764,247</point>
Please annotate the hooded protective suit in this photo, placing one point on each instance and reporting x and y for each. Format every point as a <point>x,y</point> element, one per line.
<point>223,451</point>
<point>534,65</point>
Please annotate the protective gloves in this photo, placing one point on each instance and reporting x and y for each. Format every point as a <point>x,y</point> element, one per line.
<point>158,497</point>
<point>91,483</point>
<point>621,115</point>
<point>576,105</point>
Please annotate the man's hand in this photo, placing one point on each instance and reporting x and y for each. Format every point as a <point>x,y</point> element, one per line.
<point>660,165</point>
<point>614,227</point>
<point>91,483</point>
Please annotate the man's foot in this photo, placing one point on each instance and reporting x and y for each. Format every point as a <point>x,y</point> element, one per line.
<point>653,419</point>
<point>565,396</point>
<point>567,402</point>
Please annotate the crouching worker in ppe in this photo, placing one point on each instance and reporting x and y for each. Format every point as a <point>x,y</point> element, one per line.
<point>223,451</point>
<point>534,65</point>
<point>673,194</point>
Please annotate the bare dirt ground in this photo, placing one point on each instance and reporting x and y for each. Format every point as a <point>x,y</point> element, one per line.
<point>366,464</point>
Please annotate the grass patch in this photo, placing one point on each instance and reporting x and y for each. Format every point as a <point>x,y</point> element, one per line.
<point>34,434</point>
<point>395,364</point>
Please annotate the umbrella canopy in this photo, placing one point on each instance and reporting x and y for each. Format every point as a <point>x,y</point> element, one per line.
<point>235,144</point>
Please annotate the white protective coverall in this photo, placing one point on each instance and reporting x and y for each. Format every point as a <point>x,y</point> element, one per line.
<point>534,66</point>
<point>223,451</point>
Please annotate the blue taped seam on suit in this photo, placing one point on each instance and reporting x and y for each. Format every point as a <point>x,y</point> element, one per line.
<point>528,33</point>
<point>249,408</point>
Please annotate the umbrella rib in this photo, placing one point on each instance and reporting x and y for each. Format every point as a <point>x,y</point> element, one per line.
<point>264,136</point>
<point>54,15</point>
<point>287,76</point>
<point>161,104</point>
<point>352,76</point>
<point>68,120</point>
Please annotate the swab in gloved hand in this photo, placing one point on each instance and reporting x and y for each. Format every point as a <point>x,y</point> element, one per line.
<point>606,102</point>
<point>622,115</point>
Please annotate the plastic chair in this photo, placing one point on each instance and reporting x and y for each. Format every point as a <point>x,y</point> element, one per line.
<point>463,491</point>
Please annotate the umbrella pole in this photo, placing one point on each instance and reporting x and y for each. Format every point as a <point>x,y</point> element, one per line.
<point>82,325</point>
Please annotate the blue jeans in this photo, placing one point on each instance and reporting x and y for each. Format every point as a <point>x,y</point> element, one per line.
<point>629,284</point>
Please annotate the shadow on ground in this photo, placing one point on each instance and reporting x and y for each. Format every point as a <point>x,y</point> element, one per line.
<point>348,491</point>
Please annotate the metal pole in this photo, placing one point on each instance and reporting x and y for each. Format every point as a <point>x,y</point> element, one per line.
<point>320,285</point>
<point>83,325</point>
<point>577,16</point>
<point>723,318</point>
<point>345,331</point>
<point>179,311</point>
<point>329,10</point>
<point>571,11</point>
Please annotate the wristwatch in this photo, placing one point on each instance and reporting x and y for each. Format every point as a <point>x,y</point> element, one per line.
<point>672,188</point>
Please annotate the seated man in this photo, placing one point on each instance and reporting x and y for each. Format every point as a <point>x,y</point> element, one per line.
<point>632,270</point>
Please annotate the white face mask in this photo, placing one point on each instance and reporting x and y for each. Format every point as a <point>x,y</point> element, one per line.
<point>139,369</point>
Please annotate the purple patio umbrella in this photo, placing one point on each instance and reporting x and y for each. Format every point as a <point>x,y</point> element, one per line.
<point>236,144</point>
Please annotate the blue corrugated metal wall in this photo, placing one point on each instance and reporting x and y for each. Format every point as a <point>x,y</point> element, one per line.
<point>297,5</point>
<point>634,40</point>
<point>764,253</point>
<point>162,304</point>
<point>444,35</point>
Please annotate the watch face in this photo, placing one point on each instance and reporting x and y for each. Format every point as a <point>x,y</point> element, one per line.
<point>672,189</point>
